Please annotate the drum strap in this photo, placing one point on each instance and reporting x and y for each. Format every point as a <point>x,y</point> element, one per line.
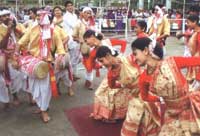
<point>53,82</point>
<point>47,43</point>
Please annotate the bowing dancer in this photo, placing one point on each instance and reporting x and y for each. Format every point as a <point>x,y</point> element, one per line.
<point>120,85</point>
<point>94,40</point>
<point>41,42</point>
<point>171,106</point>
<point>132,124</point>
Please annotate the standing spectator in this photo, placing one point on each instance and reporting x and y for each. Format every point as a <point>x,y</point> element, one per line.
<point>119,21</point>
<point>70,20</point>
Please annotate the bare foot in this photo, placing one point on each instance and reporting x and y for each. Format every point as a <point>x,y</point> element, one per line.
<point>16,102</point>
<point>91,115</point>
<point>45,117</point>
<point>70,92</point>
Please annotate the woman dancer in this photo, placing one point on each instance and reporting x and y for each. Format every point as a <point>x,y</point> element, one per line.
<point>172,108</point>
<point>120,85</point>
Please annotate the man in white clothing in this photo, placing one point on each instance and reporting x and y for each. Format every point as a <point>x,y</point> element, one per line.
<point>70,20</point>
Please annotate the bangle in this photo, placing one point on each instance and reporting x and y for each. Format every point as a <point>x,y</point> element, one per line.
<point>161,100</point>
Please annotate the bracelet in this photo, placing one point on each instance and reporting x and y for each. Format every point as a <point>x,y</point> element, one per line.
<point>162,100</point>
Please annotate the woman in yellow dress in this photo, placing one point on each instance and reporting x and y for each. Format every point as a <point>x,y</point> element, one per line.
<point>113,95</point>
<point>171,107</point>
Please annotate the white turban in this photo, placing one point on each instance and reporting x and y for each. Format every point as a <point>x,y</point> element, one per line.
<point>45,22</point>
<point>4,12</point>
<point>87,9</point>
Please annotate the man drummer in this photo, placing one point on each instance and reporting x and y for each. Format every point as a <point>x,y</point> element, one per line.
<point>42,42</point>
<point>9,34</point>
<point>4,97</point>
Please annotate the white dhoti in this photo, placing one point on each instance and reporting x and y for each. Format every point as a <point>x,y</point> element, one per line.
<point>63,75</point>
<point>89,76</point>
<point>4,95</point>
<point>41,91</point>
<point>18,80</point>
<point>75,54</point>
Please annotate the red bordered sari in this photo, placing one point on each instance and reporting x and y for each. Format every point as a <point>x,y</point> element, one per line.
<point>111,100</point>
<point>182,103</point>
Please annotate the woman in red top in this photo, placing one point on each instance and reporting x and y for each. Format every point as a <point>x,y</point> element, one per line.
<point>94,40</point>
<point>171,104</point>
<point>140,29</point>
<point>118,88</point>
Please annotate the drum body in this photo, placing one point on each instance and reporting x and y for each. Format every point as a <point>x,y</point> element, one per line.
<point>34,67</point>
<point>62,62</point>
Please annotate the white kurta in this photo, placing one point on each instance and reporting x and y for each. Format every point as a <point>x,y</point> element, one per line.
<point>70,21</point>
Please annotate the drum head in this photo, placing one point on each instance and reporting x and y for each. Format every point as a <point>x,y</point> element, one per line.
<point>85,49</point>
<point>41,70</point>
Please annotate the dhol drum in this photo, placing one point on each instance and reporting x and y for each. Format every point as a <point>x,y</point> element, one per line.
<point>85,49</point>
<point>62,62</point>
<point>34,67</point>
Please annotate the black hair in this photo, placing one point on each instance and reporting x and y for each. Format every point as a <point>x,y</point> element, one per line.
<point>142,24</point>
<point>194,8</point>
<point>102,51</point>
<point>90,33</point>
<point>34,10</point>
<point>68,2</point>
<point>193,18</point>
<point>142,43</point>
<point>56,7</point>
<point>158,51</point>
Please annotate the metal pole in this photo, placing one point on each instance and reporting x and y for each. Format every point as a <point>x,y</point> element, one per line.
<point>126,26</point>
<point>149,4</point>
<point>74,2</point>
<point>16,5</point>
<point>100,3</point>
<point>183,25</point>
